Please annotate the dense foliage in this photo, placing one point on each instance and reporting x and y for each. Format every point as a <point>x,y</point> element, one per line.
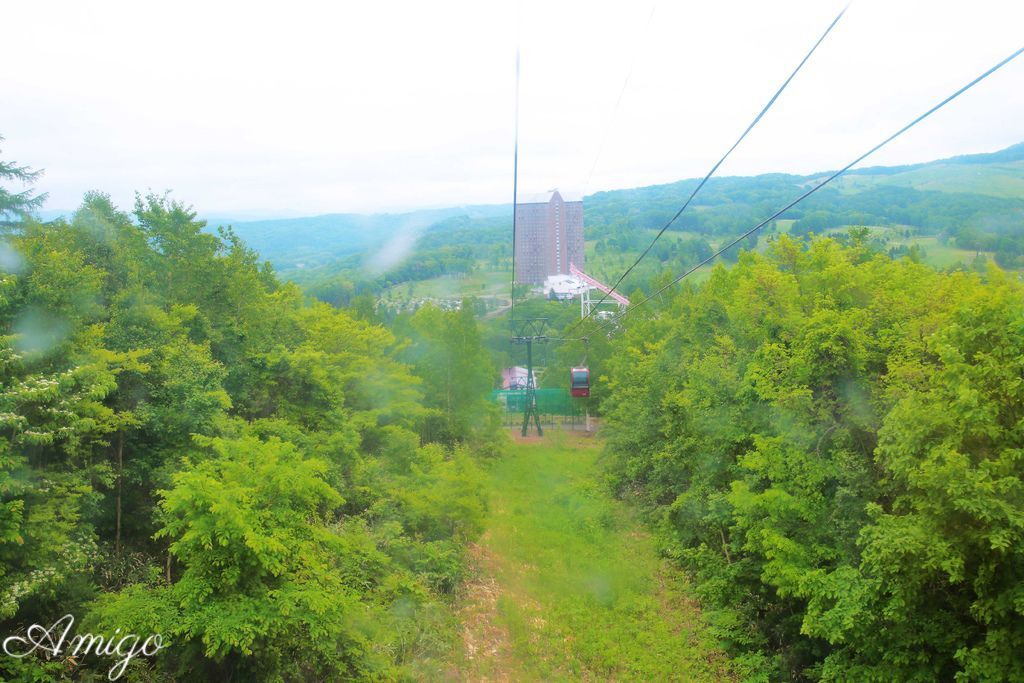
<point>832,442</point>
<point>829,439</point>
<point>189,448</point>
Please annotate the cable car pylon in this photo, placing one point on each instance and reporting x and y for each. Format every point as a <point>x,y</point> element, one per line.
<point>529,332</point>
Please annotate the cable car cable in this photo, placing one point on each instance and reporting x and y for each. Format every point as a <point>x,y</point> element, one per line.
<point>515,192</point>
<point>817,187</point>
<point>618,101</point>
<point>714,168</point>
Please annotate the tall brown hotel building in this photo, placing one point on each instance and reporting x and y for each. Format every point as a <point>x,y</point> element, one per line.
<point>549,236</point>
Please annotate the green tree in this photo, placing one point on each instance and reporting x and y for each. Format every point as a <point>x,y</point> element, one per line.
<point>15,205</point>
<point>189,446</point>
<point>270,586</point>
<point>457,371</point>
<point>829,440</point>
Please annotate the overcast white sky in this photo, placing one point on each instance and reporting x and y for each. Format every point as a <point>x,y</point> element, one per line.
<point>296,108</point>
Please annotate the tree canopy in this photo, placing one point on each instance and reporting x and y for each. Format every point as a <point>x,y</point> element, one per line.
<point>190,447</point>
<point>831,441</point>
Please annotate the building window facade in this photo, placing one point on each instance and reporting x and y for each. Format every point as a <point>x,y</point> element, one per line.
<point>549,236</point>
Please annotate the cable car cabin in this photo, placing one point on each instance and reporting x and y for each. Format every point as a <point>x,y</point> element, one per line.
<point>579,382</point>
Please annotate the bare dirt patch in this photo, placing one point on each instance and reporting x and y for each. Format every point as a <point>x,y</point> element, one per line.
<point>487,647</point>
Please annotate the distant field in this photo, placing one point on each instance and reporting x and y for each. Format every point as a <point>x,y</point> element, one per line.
<point>942,256</point>
<point>609,265</point>
<point>479,283</point>
<point>994,180</point>
<point>936,254</point>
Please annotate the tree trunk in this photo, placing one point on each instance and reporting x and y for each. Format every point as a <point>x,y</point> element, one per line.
<point>120,486</point>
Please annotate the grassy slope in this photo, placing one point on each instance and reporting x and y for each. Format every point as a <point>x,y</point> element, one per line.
<point>569,586</point>
<point>936,254</point>
<point>995,180</point>
<point>482,282</point>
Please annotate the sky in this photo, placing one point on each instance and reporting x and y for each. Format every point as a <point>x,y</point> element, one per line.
<point>252,110</point>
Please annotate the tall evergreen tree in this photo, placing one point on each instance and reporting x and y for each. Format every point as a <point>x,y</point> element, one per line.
<point>16,205</point>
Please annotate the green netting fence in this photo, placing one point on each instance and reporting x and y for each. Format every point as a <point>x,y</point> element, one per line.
<point>555,406</point>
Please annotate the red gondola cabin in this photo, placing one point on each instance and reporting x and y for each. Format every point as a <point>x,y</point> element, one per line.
<point>579,382</point>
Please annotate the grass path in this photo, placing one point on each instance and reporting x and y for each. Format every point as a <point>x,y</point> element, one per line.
<point>567,584</point>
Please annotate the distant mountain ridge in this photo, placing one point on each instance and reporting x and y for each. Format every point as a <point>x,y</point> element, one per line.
<point>995,179</point>
<point>313,241</point>
<point>1011,153</point>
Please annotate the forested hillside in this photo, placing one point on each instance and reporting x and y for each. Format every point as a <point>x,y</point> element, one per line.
<point>948,211</point>
<point>830,440</point>
<point>308,243</point>
<point>279,488</point>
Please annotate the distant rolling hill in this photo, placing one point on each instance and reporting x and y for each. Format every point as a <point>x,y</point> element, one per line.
<point>977,192</point>
<point>307,243</point>
<point>994,180</point>
<point>999,174</point>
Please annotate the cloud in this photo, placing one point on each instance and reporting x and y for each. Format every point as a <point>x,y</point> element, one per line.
<point>398,248</point>
<point>319,107</point>
<point>10,260</point>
